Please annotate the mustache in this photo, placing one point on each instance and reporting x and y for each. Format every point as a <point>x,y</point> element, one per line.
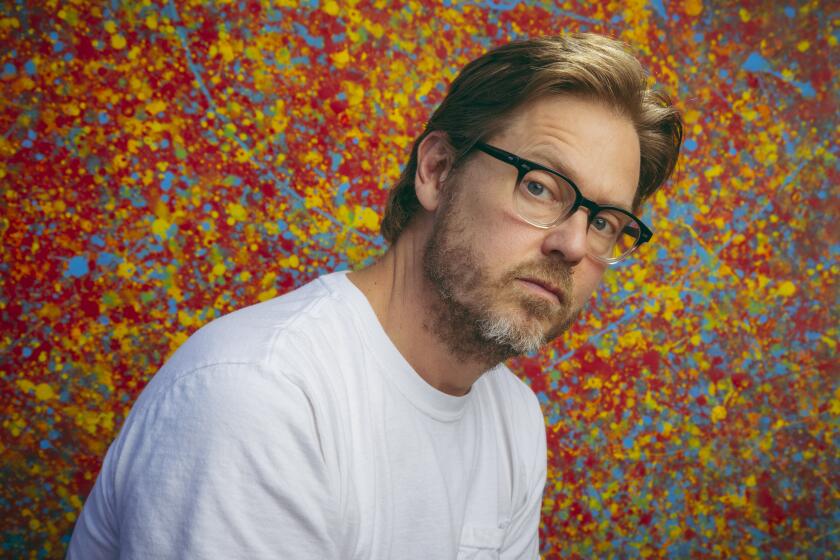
<point>554,273</point>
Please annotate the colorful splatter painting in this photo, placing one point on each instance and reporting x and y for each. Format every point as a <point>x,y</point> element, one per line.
<point>166,162</point>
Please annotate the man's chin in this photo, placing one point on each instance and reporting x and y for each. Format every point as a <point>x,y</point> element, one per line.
<point>523,326</point>
<point>539,332</point>
<point>511,337</point>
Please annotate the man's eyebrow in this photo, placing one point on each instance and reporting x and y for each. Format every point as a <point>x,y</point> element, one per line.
<point>552,162</point>
<point>555,164</point>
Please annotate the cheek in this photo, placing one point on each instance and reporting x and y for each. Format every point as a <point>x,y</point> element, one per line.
<point>492,229</point>
<point>506,243</point>
<point>498,236</point>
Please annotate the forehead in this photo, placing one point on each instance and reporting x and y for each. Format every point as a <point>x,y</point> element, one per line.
<point>592,143</point>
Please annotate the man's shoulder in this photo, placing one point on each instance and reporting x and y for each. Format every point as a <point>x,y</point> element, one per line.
<point>262,333</point>
<point>274,348</point>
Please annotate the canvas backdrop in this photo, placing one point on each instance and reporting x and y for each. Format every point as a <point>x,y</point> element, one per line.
<point>164,163</point>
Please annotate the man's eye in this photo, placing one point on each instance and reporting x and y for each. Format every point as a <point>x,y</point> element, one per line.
<point>603,226</point>
<point>536,189</point>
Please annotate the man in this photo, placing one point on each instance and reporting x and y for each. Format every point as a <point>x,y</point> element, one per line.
<point>366,415</point>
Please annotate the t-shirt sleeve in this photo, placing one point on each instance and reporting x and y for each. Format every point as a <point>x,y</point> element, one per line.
<point>522,538</point>
<point>224,462</point>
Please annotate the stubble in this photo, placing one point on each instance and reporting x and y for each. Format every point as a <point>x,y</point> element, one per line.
<point>466,315</point>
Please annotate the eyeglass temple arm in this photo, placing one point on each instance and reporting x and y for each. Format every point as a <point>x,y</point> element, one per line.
<point>644,233</point>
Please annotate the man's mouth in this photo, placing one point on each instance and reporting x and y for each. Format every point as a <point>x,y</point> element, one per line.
<point>545,289</point>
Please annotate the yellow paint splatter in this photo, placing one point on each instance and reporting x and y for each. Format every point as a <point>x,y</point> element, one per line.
<point>291,262</point>
<point>118,41</point>
<point>125,270</point>
<point>226,50</point>
<point>355,92</point>
<point>237,211</point>
<point>341,58</point>
<point>786,288</point>
<point>44,392</point>
<point>331,7</point>
<point>713,172</point>
<point>25,385</point>
<point>267,294</point>
<point>253,53</point>
<point>368,218</point>
<point>593,383</point>
<point>694,7</point>
<point>185,318</point>
<point>155,107</point>
<point>160,227</point>
<point>692,116</point>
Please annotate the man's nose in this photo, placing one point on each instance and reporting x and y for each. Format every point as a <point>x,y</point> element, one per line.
<point>568,238</point>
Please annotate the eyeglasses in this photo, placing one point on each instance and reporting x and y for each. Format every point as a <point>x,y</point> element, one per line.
<point>544,198</point>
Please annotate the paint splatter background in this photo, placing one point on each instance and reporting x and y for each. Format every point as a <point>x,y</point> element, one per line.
<point>163,163</point>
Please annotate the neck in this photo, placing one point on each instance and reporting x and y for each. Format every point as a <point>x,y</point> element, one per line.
<point>409,309</point>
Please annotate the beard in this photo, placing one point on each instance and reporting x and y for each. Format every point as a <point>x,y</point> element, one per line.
<point>486,319</point>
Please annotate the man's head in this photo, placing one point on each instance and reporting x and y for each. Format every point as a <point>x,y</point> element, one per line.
<point>491,88</point>
<point>509,276</point>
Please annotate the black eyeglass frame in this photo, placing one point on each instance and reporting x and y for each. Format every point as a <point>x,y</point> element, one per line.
<point>523,166</point>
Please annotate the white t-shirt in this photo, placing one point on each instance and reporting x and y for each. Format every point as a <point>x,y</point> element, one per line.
<point>295,429</point>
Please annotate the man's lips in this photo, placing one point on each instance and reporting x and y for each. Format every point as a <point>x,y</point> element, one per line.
<point>543,288</point>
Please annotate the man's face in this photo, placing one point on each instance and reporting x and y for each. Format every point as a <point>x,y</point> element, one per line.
<point>507,287</point>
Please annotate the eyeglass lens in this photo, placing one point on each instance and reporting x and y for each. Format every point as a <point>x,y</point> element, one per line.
<point>542,198</point>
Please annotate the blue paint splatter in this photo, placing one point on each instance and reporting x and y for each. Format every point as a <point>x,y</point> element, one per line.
<point>501,6</point>
<point>105,259</point>
<point>77,266</point>
<point>806,89</point>
<point>314,42</point>
<point>756,63</point>
<point>166,182</point>
<point>659,8</point>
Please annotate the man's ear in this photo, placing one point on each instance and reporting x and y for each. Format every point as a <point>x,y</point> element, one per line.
<point>434,163</point>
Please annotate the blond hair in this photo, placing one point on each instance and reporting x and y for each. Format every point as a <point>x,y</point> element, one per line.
<point>490,88</point>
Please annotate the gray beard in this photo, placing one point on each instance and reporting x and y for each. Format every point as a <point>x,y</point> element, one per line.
<point>468,326</point>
